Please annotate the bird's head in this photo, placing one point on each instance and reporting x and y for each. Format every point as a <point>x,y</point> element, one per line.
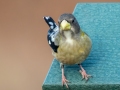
<point>67,22</point>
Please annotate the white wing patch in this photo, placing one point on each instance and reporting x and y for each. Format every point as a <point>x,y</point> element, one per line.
<point>51,27</point>
<point>52,38</point>
<point>56,29</point>
<point>51,23</point>
<point>49,42</point>
<point>47,17</point>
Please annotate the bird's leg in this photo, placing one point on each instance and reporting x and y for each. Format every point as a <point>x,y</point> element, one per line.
<point>64,80</point>
<point>83,73</point>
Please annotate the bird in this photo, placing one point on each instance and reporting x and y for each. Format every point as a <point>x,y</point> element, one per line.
<point>74,45</point>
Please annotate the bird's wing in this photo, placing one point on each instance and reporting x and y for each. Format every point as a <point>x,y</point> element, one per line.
<point>53,33</point>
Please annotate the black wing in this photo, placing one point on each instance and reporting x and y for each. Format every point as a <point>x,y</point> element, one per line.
<point>52,32</point>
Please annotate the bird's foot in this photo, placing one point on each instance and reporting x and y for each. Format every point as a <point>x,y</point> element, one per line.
<point>64,81</point>
<point>85,75</point>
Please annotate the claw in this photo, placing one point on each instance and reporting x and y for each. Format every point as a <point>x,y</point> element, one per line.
<point>64,81</point>
<point>84,74</point>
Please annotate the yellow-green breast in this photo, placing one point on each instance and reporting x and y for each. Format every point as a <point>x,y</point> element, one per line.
<point>72,51</point>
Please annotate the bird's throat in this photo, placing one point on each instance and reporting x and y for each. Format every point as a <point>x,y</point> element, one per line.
<point>68,37</point>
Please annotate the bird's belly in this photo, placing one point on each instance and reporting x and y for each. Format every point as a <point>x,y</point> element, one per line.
<point>72,53</point>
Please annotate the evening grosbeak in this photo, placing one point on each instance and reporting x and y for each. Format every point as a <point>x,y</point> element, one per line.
<point>74,45</point>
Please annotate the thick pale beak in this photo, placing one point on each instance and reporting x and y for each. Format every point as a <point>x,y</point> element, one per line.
<point>65,25</point>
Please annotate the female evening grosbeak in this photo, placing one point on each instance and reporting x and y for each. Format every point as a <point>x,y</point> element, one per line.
<point>73,45</point>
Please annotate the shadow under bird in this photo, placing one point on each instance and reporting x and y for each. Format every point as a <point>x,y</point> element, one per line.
<point>69,43</point>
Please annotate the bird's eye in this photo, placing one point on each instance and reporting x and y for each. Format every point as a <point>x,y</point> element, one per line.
<point>73,21</point>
